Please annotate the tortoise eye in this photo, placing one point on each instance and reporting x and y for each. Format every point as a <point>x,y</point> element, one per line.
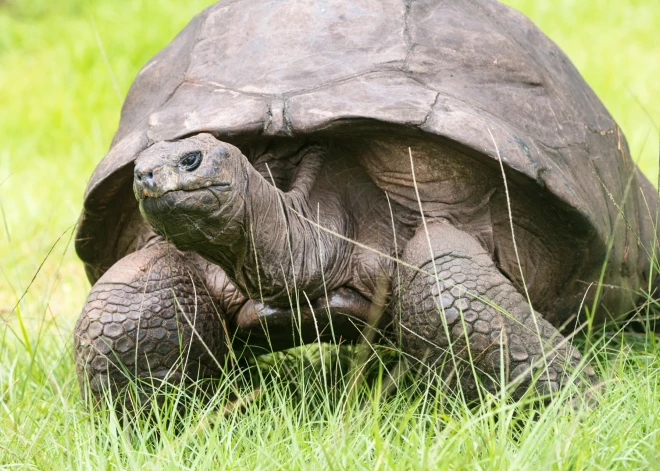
<point>190,161</point>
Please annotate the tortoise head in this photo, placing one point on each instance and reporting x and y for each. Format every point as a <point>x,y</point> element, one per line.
<point>182,185</point>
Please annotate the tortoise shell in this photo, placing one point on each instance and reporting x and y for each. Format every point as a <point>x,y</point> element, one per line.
<point>474,74</point>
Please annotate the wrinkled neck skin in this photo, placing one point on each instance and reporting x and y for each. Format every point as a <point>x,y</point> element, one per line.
<point>263,238</point>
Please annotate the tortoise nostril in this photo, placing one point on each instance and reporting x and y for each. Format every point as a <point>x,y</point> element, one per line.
<point>143,176</point>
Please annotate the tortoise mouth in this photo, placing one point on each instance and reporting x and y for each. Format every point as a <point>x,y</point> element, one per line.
<point>197,200</point>
<point>144,193</point>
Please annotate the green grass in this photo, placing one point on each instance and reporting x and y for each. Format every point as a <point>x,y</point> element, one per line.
<point>64,69</point>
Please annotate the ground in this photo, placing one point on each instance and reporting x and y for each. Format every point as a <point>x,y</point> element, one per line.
<point>64,69</point>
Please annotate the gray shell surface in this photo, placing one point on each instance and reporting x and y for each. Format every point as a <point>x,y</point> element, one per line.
<point>471,72</point>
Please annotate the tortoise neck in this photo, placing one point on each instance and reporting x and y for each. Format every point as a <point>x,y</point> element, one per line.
<point>282,248</point>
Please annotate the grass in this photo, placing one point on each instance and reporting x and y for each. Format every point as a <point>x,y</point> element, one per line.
<point>64,68</point>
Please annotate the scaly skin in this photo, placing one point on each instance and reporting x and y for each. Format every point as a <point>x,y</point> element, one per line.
<point>149,316</point>
<point>450,321</point>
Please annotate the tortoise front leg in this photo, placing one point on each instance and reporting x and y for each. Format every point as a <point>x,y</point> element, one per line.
<point>151,317</point>
<point>466,320</point>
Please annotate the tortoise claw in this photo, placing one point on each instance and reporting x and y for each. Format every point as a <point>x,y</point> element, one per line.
<point>339,316</point>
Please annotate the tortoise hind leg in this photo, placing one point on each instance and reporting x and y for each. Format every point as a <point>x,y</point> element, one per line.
<point>450,320</point>
<point>148,317</point>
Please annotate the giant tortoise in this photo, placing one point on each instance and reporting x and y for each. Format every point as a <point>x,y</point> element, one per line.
<point>284,170</point>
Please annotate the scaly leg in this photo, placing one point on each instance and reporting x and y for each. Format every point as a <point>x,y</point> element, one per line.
<point>451,322</point>
<point>151,316</point>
